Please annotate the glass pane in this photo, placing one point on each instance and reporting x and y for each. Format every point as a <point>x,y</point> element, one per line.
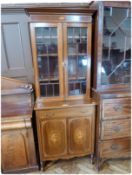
<point>42,49</point>
<point>70,40</point>
<point>82,48</point>
<point>50,90</point>
<point>43,90</point>
<point>116,46</point>
<point>84,32</point>
<point>47,51</point>
<point>77,60</point>
<point>56,89</point>
<point>47,41</point>
<point>82,66</point>
<point>52,48</point>
<point>76,32</point>
<point>53,32</point>
<point>70,32</point>
<point>39,32</point>
<point>46,32</point>
<point>53,67</point>
<point>54,41</point>
<point>43,67</point>
<point>72,48</point>
<point>77,87</point>
<point>72,66</point>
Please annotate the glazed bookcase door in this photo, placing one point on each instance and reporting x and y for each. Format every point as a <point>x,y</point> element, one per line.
<point>116,50</point>
<point>77,58</point>
<point>47,57</point>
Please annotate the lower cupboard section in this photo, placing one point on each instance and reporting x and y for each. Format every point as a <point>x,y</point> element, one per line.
<point>65,137</point>
<point>115,148</point>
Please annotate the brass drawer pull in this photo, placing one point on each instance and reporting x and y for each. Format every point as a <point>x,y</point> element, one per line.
<point>118,108</point>
<point>114,147</point>
<point>117,128</point>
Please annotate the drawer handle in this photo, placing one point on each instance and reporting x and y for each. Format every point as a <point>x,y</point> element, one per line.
<point>117,128</point>
<point>114,147</point>
<point>118,108</point>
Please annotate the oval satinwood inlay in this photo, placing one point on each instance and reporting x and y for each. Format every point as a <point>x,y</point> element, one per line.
<point>55,138</point>
<point>78,136</point>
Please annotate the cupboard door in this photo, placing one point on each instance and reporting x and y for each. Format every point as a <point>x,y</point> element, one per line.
<point>47,53</point>
<point>79,135</point>
<point>77,50</point>
<point>14,153</point>
<point>54,140</point>
<point>18,150</point>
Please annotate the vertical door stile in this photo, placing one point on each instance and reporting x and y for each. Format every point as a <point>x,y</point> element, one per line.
<point>60,54</point>
<point>65,61</point>
<point>34,53</point>
<point>89,43</point>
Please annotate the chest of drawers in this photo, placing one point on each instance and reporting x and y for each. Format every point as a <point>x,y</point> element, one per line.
<point>113,129</point>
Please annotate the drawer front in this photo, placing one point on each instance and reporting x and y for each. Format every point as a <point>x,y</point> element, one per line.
<point>116,129</point>
<point>116,108</point>
<point>67,112</point>
<point>115,148</point>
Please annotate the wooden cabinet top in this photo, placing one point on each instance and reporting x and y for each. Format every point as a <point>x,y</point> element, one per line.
<point>16,98</point>
<point>41,105</point>
<point>116,93</point>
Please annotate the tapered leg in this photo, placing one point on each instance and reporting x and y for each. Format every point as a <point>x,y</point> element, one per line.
<point>98,167</point>
<point>41,166</point>
<point>98,164</point>
<point>92,158</point>
<point>44,163</point>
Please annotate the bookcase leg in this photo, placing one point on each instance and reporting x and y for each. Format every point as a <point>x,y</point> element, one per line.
<point>92,158</point>
<point>41,166</point>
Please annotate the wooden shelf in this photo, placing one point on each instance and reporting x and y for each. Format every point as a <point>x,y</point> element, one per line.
<point>46,37</point>
<point>78,54</point>
<point>47,54</point>
<point>77,37</point>
<point>48,79</point>
<point>77,78</point>
<point>42,43</point>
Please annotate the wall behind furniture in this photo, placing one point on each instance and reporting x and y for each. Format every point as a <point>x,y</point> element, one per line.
<point>15,45</point>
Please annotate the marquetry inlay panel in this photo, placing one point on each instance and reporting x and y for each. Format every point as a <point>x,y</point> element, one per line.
<point>54,137</point>
<point>79,136</point>
<point>79,130</point>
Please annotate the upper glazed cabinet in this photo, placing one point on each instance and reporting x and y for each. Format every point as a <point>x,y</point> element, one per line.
<point>62,58</point>
<point>114,49</point>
